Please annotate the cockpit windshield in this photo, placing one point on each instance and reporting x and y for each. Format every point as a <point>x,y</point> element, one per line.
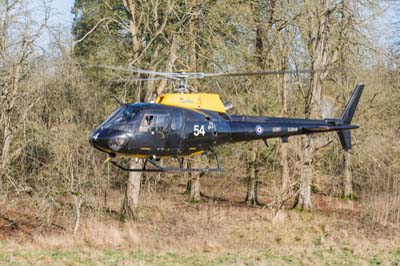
<point>119,117</point>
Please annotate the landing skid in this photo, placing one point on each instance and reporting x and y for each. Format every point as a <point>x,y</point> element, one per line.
<point>158,168</point>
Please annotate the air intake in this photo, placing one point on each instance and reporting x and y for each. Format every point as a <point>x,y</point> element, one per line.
<point>228,105</point>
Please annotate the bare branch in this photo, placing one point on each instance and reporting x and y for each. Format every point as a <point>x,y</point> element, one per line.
<point>95,27</point>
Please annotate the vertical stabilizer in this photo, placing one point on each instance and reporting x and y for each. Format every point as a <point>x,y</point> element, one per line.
<point>351,105</point>
<point>347,116</point>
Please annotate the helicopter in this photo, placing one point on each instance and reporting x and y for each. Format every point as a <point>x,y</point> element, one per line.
<point>182,124</point>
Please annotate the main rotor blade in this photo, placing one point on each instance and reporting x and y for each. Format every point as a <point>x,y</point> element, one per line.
<point>259,73</point>
<point>200,75</point>
<point>139,71</point>
<point>149,72</point>
<point>134,80</point>
<point>144,79</point>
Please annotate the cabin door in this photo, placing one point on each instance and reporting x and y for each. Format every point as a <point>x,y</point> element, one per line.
<point>173,143</point>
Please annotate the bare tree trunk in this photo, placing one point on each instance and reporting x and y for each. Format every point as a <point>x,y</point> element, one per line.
<point>78,203</point>
<point>194,183</point>
<point>252,187</point>
<point>318,40</point>
<point>132,189</point>
<point>145,52</point>
<point>285,166</point>
<point>283,38</point>
<point>252,180</point>
<point>193,30</point>
<point>193,27</point>
<point>5,155</point>
<point>131,196</point>
<point>7,137</point>
<point>170,64</point>
<point>194,193</point>
<point>283,146</point>
<point>348,177</point>
<point>130,4</point>
<point>303,200</point>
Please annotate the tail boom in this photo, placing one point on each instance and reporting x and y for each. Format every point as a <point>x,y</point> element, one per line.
<point>245,128</point>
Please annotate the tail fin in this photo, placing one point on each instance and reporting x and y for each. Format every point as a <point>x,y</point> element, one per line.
<point>351,106</point>
<point>347,116</point>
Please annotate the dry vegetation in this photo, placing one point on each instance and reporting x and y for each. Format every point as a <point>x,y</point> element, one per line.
<point>171,231</point>
<point>61,205</point>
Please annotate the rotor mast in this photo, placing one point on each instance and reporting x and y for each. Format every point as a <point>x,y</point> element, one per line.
<point>183,86</point>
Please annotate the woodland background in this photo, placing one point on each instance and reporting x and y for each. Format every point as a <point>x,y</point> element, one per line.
<point>56,193</point>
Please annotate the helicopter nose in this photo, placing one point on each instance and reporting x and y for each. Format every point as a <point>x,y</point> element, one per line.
<point>108,141</point>
<point>94,137</point>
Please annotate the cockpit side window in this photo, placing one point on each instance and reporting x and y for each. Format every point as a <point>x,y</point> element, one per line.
<point>176,122</point>
<point>154,122</point>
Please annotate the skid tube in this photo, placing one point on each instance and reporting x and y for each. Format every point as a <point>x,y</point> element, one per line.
<point>159,168</point>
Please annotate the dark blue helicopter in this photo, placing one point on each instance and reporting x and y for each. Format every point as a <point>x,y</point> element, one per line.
<point>180,125</point>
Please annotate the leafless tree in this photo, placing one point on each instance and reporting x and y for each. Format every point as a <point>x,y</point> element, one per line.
<point>18,47</point>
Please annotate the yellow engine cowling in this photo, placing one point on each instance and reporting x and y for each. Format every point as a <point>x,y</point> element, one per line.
<point>206,101</point>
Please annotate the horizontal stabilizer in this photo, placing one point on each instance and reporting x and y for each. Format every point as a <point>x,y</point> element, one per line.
<point>315,129</point>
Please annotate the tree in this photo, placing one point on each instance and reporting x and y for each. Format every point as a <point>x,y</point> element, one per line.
<point>318,39</point>
<point>17,57</point>
<point>140,31</point>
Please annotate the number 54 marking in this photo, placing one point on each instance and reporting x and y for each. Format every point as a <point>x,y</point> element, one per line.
<point>199,130</point>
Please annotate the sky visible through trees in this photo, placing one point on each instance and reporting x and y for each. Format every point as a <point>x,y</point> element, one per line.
<point>384,24</point>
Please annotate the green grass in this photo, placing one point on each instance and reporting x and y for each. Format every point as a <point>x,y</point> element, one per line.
<point>341,256</point>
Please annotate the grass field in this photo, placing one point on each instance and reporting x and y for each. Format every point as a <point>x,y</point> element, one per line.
<point>306,256</point>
